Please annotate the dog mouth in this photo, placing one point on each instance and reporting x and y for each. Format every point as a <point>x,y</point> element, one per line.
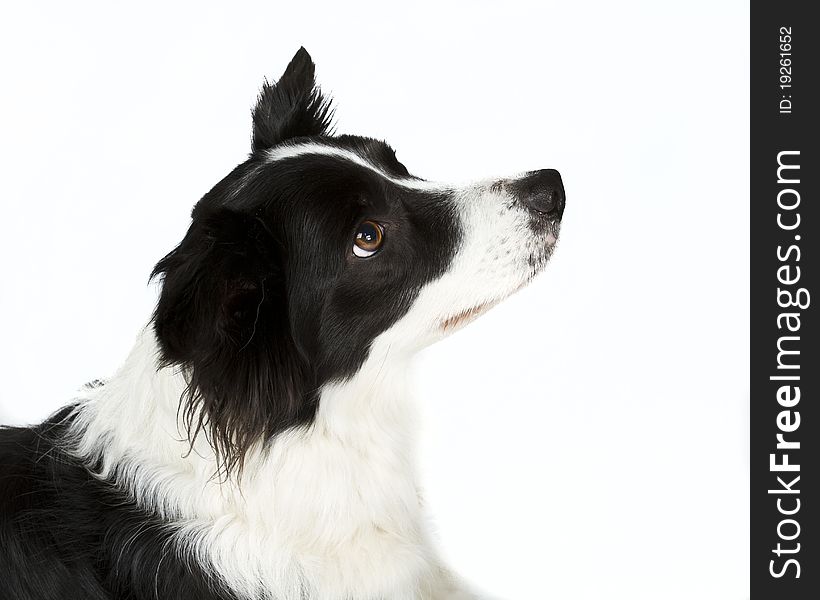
<point>536,262</point>
<point>461,319</point>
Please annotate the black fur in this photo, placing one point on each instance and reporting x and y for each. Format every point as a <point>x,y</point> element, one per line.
<point>65,535</point>
<point>293,107</point>
<point>262,303</point>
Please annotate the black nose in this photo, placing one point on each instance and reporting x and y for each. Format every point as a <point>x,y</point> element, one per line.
<point>541,192</point>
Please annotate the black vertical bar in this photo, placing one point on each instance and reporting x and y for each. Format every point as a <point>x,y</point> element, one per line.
<point>785,561</point>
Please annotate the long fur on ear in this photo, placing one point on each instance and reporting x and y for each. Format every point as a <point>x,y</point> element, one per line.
<point>222,317</point>
<point>292,107</point>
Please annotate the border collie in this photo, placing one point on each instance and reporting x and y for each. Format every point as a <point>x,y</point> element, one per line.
<point>258,442</point>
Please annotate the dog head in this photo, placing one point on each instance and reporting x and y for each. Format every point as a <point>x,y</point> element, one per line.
<point>319,248</point>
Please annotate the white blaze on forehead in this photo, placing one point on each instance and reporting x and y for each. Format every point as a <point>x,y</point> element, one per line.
<point>281,153</point>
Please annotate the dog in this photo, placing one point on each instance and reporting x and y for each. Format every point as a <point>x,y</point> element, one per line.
<point>258,442</point>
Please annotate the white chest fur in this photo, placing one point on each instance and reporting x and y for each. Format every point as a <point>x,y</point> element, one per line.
<point>330,512</point>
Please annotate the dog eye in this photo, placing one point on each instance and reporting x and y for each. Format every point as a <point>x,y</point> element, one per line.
<point>368,239</point>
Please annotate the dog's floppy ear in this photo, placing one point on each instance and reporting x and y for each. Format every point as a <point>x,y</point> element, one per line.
<point>222,317</point>
<point>292,107</point>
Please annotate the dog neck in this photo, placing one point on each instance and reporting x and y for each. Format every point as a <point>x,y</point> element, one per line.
<point>347,481</point>
<point>134,417</point>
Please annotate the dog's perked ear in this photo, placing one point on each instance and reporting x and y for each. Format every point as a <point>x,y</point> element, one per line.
<point>222,317</point>
<point>292,107</point>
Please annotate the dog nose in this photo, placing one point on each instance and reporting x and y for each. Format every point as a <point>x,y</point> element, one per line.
<point>542,192</point>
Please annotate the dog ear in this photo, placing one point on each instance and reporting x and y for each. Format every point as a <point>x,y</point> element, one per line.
<point>221,316</point>
<point>292,107</point>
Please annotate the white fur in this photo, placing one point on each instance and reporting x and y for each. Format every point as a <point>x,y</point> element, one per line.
<point>284,152</point>
<point>330,512</point>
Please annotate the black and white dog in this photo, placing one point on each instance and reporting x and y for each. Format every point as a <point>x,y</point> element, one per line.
<point>258,442</point>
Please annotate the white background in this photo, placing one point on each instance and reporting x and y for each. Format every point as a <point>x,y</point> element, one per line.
<point>586,439</point>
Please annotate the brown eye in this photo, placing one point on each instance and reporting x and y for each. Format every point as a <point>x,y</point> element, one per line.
<point>368,239</point>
